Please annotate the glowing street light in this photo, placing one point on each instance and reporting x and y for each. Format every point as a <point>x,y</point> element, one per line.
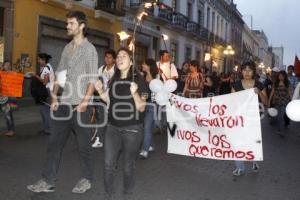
<point>207,57</point>
<point>261,65</point>
<point>228,52</point>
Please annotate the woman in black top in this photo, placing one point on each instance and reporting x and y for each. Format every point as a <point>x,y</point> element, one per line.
<point>248,81</point>
<point>150,70</point>
<point>126,101</point>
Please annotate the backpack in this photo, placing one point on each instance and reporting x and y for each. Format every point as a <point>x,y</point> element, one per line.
<point>38,91</point>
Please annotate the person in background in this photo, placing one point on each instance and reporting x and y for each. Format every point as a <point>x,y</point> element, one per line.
<point>150,69</point>
<point>280,96</point>
<point>127,96</point>
<point>209,89</point>
<point>166,69</point>
<point>105,72</point>
<point>182,74</point>
<point>268,84</point>
<point>46,76</point>
<point>224,84</point>
<point>5,107</point>
<point>194,82</point>
<point>248,81</point>
<point>291,77</point>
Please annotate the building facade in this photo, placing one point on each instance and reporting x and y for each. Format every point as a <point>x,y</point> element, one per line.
<point>34,26</point>
<point>279,51</point>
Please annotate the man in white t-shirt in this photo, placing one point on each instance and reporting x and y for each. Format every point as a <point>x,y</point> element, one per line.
<point>105,73</point>
<point>46,76</point>
<point>48,71</point>
<point>166,69</point>
<point>107,70</point>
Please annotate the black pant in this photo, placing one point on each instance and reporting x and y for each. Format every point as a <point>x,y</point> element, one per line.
<point>128,140</point>
<point>61,130</point>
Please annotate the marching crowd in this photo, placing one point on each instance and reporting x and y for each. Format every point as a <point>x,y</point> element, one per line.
<point>116,98</point>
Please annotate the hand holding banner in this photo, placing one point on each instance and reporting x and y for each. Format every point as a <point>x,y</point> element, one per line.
<point>11,84</point>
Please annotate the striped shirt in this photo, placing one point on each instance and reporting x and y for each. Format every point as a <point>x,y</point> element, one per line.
<point>81,64</point>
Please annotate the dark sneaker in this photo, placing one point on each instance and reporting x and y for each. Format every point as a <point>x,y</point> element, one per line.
<point>82,186</point>
<point>255,167</point>
<point>41,186</point>
<point>237,172</point>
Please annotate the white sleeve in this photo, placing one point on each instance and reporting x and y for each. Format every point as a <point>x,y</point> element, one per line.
<point>296,92</point>
<point>174,71</point>
<point>44,72</point>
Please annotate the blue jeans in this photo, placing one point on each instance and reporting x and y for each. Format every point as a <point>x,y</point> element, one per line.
<point>8,116</point>
<point>46,118</point>
<point>280,117</point>
<point>127,140</point>
<point>61,130</point>
<point>149,124</point>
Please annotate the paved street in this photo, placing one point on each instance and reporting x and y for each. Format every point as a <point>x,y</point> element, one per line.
<point>161,177</point>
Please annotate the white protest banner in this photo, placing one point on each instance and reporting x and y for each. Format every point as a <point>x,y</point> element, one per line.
<point>225,127</point>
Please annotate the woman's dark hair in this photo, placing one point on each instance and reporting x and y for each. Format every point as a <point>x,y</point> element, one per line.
<point>285,81</point>
<point>117,74</point>
<point>80,17</point>
<point>184,63</point>
<point>153,67</point>
<point>195,63</point>
<point>251,64</point>
<point>45,57</point>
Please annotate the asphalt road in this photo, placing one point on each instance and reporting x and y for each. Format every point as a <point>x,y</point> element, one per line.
<point>161,177</point>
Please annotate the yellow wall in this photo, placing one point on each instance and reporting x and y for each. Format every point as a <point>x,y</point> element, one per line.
<point>26,15</point>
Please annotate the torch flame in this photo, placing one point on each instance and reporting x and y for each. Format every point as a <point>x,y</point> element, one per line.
<point>123,35</point>
<point>131,46</point>
<point>140,16</point>
<point>148,5</point>
<point>164,37</point>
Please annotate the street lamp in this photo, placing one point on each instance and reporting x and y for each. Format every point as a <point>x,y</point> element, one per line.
<point>208,61</point>
<point>228,52</point>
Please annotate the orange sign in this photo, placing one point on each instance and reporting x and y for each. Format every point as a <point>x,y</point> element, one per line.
<point>11,84</point>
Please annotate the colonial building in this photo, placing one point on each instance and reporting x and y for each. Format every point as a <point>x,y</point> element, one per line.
<point>250,47</point>
<point>32,26</point>
<point>265,55</point>
<point>279,51</point>
<point>194,28</point>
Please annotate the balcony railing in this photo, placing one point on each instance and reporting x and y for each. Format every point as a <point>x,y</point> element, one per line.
<point>193,27</point>
<point>135,3</point>
<point>204,33</point>
<point>110,6</point>
<point>179,20</point>
<point>164,12</point>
